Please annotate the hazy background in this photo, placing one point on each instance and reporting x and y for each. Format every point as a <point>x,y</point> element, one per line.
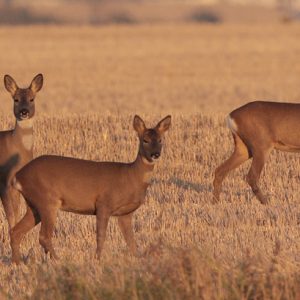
<point>99,12</point>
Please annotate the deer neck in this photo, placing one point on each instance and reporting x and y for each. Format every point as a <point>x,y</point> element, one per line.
<point>144,168</point>
<point>23,133</point>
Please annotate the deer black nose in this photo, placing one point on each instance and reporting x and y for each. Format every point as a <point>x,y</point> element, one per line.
<point>24,112</point>
<point>155,155</point>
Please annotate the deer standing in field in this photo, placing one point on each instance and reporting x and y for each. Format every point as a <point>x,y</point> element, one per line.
<point>16,144</point>
<point>257,128</point>
<point>105,189</point>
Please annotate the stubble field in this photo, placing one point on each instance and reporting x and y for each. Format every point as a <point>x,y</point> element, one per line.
<point>96,79</point>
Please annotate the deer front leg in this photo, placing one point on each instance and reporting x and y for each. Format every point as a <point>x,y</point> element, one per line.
<point>102,216</point>
<point>125,224</point>
<point>16,204</point>
<point>11,205</point>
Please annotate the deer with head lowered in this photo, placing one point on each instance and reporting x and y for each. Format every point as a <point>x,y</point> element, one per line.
<point>105,189</point>
<point>257,128</point>
<point>16,144</point>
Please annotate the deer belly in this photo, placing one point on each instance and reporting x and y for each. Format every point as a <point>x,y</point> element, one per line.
<point>283,146</point>
<point>79,207</point>
<point>126,209</point>
<point>287,139</point>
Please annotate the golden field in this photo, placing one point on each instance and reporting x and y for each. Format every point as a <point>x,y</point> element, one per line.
<point>96,79</point>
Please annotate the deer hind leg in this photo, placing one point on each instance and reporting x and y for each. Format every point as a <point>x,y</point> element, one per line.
<point>125,224</point>
<point>259,158</point>
<point>240,154</point>
<point>48,218</point>
<point>30,219</point>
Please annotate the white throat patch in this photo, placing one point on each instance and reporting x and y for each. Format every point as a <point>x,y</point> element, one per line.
<point>147,177</point>
<point>25,123</point>
<point>27,141</point>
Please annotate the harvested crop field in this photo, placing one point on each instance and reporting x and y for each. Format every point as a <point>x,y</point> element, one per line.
<point>96,79</point>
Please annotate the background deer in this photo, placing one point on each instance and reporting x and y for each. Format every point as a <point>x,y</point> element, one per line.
<point>16,144</point>
<point>105,189</point>
<point>257,128</point>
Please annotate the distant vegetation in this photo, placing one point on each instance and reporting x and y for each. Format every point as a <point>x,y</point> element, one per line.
<point>137,12</point>
<point>22,16</point>
<point>204,16</point>
<point>116,17</point>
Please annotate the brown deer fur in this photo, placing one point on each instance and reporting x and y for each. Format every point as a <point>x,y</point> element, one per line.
<point>104,189</point>
<point>16,144</point>
<point>257,128</point>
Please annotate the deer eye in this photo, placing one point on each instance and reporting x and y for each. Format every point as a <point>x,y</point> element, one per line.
<point>31,100</point>
<point>159,141</point>
<point>16,100</point>
<point>145,142</point>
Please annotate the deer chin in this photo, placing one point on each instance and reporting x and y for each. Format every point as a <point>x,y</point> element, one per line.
<point>155,159</point>
<point>23,117</point>
<point>146,161</point>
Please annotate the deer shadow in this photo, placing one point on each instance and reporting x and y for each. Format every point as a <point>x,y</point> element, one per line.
<point>186,185</point>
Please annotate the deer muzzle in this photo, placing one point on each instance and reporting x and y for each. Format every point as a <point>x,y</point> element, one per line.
<point>155,155</point>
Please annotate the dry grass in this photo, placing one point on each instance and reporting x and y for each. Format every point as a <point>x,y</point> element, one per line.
<point>95,80</point>
<point>153,68</point>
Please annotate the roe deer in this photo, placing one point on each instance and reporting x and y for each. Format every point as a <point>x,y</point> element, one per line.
<point>257,128</point>
<point>105,189</point>
<point>16,144</point>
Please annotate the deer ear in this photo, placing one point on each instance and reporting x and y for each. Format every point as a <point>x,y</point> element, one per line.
<point>164,124</point>
<point>139,125</point>
<point>10,84</point>
<point>37,83</point>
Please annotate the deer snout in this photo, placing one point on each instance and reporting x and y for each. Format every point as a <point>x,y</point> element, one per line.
<point>24,113</point>
<point>155,155</point>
